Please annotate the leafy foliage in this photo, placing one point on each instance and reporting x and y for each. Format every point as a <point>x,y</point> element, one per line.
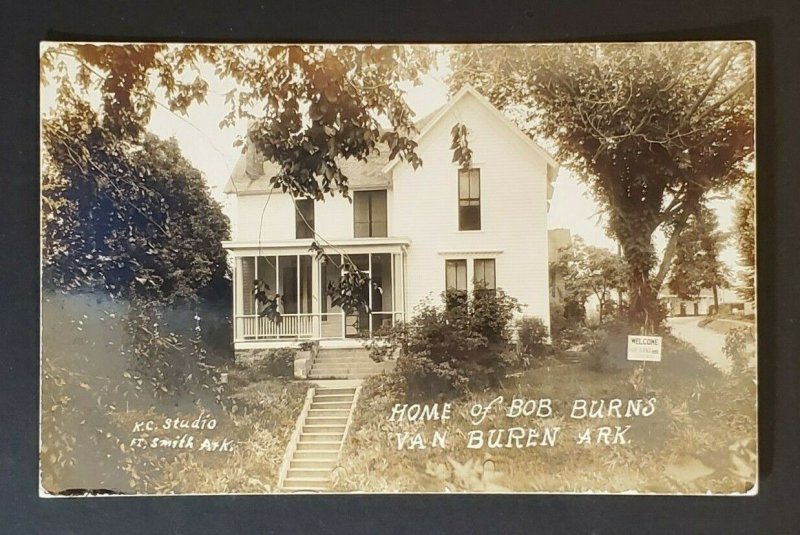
<point>532,335</point>
<point>462,154</point>
<point>697,264</point>
<point>746,237</point>
<point>449,348</point>
<point>103,356</point>
<point>133,219</point>
<point>738,349</point>
<point>277,362</point>
<point>588,270</point>
<point>652,129</point>
<point>310,106</point>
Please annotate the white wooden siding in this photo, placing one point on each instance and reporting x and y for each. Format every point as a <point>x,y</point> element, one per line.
<point>513,209</point>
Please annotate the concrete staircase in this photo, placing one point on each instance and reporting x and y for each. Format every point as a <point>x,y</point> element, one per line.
<point>344,364</point>
<point>322,429</point>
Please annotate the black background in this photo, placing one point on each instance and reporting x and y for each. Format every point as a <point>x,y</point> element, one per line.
<point>775,27</point>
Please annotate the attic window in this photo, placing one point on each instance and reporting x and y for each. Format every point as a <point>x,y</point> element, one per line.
<point>469,199</point>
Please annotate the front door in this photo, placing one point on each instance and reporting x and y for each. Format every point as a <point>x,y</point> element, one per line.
<point>357,323</point>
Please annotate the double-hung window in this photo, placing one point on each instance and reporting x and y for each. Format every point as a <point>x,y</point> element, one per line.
<point>469,199</point>
<point>455,282</point>
<point>484,275</point>
<point>369,214</point>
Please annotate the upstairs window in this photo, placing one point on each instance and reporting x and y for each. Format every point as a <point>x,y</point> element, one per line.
<point>455,282</point>
<point>369,214</point>
<point>484,276</point>
<point>304,219</point>
<point>469,199</point>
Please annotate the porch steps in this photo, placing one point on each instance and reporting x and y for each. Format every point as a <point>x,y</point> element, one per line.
<point>322,431</point>
<point>344,364</point>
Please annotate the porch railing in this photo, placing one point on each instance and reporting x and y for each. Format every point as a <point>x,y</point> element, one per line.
<point>252,327</point>
<point>331,325</point>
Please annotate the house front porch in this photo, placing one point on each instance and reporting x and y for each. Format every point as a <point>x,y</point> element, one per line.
<point>300,280</point>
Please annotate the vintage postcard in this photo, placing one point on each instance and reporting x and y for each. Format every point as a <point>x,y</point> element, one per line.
<point>383,268</point>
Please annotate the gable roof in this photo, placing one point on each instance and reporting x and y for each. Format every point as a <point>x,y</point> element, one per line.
<point>552,164</point>
<point>252,173</point>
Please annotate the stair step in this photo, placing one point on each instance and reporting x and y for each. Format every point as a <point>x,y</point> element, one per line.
<point>331,405</point>
<point>336,390</point>
<point>335,420</point>
<point>316,455</point>
<point>329,413</point>
<point>310,473</point>
<point>321,437</point>
<point>347,362</point>
<point>306,483</point>
<point>332,397</point>
<point>339,429</point>
<point>328,464</point>
<point>325,369</point>
<point>332,360</point>
<point>331,445</point>
<point>346,369</point>
<point>316,375</point>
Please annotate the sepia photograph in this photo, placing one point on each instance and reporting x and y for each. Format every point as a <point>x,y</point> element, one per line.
<point>398,268</point>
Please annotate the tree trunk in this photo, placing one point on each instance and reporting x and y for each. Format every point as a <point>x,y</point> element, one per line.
<point>644,310</point>
<point>716,299</point>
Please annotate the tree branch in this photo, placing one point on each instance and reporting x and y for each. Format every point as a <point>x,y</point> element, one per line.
<point>724,99</point>
<point>671,248</point>
<point>726,58</point>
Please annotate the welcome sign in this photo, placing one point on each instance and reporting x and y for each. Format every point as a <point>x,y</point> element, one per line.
<point>644,348</point>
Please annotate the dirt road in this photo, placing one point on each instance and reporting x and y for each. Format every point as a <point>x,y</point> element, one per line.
<point>707,342</point>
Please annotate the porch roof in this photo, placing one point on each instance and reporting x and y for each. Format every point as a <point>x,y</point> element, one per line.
<point>365,245</point>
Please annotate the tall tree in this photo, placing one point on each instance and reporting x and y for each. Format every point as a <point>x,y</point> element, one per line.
<point>131,217</point>
<point>309,107</point>
<point>651,129</point>
<point>589,270</point>
<point>746,238</point>
<point>697,265</point>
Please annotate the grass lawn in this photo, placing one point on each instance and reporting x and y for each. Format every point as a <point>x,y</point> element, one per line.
<point>259,428</point>
<point>722,325</point>
<point>243,453</point>
<point>700,437</point>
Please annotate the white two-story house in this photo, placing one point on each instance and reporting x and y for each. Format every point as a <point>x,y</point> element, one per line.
<point>415,233</point>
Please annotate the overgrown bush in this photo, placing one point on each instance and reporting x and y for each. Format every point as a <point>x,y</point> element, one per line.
<point>737,350</point>
<point>532,336</point>
<point>567,325</point>
<point>277,362</point>
<point>103,356</point>
<point>607,347</point>
<point>462,343</point>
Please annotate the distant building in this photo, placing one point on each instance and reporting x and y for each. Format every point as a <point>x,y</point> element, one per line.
<point>703,305</point>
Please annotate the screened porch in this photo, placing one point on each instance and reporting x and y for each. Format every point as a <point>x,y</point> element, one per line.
<point>300,282</point>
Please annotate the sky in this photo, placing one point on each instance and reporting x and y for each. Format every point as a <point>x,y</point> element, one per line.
<point>210,149</point>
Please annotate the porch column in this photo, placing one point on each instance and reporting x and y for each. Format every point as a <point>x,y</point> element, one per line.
<point>316,307</point>
<point>235,288</point>
<point>401,284</point>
